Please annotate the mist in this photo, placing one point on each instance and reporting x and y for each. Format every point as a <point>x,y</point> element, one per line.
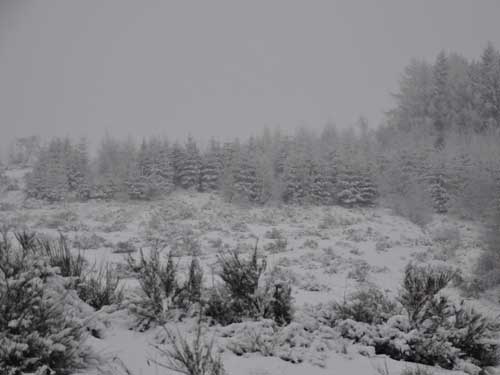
<point>219,68</point>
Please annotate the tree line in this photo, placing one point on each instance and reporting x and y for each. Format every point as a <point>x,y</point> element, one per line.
<point>437,150</point>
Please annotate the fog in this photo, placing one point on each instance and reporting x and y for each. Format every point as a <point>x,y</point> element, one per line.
<point>222,68</point>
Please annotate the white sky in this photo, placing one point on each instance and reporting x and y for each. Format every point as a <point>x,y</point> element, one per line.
<point>222,68</point>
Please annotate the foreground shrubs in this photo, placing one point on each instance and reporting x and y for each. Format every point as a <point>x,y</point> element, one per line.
<point>244,295</point>
<point>101,288</point>
<point>434,331</point>
<point>36,332</point>
<point>368,306</point>
<point>161,291</point>
<point>190,358</point>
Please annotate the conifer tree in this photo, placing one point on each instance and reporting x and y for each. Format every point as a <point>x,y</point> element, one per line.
<point>488,87</point>
<point>176,157</point>
<point>231,154</point>
<point>211,169</point>
<point>440,106</point>
<point>190,166</point>
<point>163,171</point>
<point>81,170</point>
<point>320,190</point>
<point>246,183</point>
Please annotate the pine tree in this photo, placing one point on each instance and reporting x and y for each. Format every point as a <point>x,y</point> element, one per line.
<point>190,166</point>
<point>320,190</point>
<point>348,187</point>
<point>437,182</point>
<point>80,170</point>
<point>440,106</point>
<point>137,184</point>
<point>299,164</point>
<point>163,171</point>
<point>211,169</point>
<point>246,183</point>
<point>177,155</point>
<point>231,154</point>
<point>488,87</point>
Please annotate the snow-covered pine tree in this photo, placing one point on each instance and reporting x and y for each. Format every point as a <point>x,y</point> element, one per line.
<point>211,168</point>
<point>137,184</point>
<point>488,87</point>
<point>330,164</point>
<point>440,103</point>
<point>246,182</point>
<point>176,157</point>
<point>231,153</point>
<point>56,176</point>
<point>348,184</point>
<point>80,170</point>
<point>437,183</point>
<point>320,190</point>
<point>367,190</point>
<point>297,172</point>
<point>163,171</point>
<point>36,180</point>
<point>190,166</point>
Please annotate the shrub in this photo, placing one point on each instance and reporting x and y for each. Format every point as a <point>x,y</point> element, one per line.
<point>245,296</point>
<point>36,331</point>
<point>159,287</point>
<point>434,332</point>
<point>190,358</point>
<point>102,288</point>
<point>368,305</point>
<point>60,256</point>
<point>191,291</point>
<point>88,241</point>
<point>420,287</point>
<point>124,247</point>
<point>279,245</point>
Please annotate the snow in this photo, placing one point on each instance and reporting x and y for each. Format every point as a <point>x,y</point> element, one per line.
<point>330,252</point>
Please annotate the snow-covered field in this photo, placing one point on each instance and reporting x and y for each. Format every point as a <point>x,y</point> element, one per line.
<point>325,253</point>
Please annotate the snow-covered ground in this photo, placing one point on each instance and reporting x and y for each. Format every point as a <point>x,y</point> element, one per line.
<point>328,253</point>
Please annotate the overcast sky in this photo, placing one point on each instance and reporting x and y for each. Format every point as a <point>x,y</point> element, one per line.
<point>222,68</point>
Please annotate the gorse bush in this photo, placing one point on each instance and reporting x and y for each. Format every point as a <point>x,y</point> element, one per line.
<point>369,305</point>
<point>243,294</point>
<point>420,287</point>
<point>434,331</point>
<point>101,288</point>
<point>161,290</point>
<point>159,285</point>
<point>36,332</point>
<point>60,256</point>
<point>190,358</point>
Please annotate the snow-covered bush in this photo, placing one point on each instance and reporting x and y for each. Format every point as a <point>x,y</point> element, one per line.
<point>60,256</point>
<point>244,295</point>
<point>88,241</point>
<point>124,247</point>
<point>368,305</point>
<point>161,292</point>
<point>197,357</point>
<point>279,245</point>
<point>37,331</point>
<point>158,286</point>
<point>273,234</point>
<point>421,284</point>
<point>101,288</point>
<point>434,331</point>
<point>294,343</point>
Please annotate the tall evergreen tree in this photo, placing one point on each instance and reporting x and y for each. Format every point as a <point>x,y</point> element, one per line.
<point>440,106</point>
<point>211,169</point>
<point>190,166</point>
<point>488,86</point>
